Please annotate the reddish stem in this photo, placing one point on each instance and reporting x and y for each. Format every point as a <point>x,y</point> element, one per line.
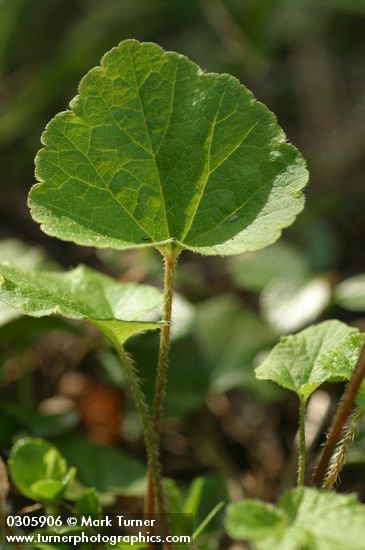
<point>343,412</point>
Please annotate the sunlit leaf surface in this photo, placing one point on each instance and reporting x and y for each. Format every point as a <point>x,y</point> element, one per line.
<point>155,152</point>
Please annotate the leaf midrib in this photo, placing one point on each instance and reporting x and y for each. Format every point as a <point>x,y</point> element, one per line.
<point>153,154</point>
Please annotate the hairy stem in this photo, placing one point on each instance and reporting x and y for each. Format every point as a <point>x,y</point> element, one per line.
<point>161,375</point>
<point>154,474</point>
<point>301,461</point>
<point>149,501</point>
<point>339,456</point>
<point>163,356</point>
<point>160,387</point>
<point>343,412</point>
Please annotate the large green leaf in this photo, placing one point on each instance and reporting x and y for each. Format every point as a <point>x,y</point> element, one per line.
<point>155,152</point>
<point>119,310</point>
<point>306,519</point>
<point>324,352</point>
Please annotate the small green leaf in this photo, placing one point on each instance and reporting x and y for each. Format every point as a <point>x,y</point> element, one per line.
<point>47,490</point>
<point>341,360</point>
<point>156,152</point>
<point>206,521</point>
<point>350,294</point>
<point>173,496</point>
<point>88,503</point>
<point>324,352</point>
<point>305,519</point>
<point>193,496</point>
<point>38,470</point>
<point>202,496</point>
<point>118,310</point>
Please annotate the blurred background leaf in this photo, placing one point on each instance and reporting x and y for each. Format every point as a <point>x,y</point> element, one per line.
<point>304,59</point>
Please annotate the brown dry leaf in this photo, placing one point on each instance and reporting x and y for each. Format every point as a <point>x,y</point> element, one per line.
<point>101,407</point>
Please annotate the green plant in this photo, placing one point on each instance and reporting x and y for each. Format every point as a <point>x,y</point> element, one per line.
<point>38,471</point>
<point>304,361</point>
<point>306,517</point>
<point>155,153</point>
<point>117,310</point>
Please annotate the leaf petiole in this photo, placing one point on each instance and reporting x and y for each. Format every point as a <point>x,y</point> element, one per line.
<point>161,379</point>
<point>340,419</point>
<point>302,447</point>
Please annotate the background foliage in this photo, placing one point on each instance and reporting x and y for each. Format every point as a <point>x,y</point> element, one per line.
<point>58,380</point>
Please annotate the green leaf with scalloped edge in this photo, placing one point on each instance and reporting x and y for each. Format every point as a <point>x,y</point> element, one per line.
<point>156,152</point>
<point>305,519</point>
<point>119,310</point>
<point>303,361</point>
